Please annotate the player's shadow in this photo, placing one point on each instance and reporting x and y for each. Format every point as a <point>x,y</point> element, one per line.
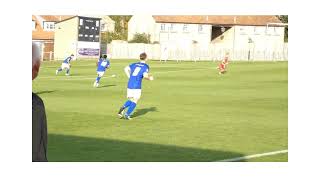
<point>108,85</point>
<point>44,92</point>
<point>66,148</point>
<point>140,112</point>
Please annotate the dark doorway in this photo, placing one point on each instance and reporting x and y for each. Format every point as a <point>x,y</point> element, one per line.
<point>217,31</point>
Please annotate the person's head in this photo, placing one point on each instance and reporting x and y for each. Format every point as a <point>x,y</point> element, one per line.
<point>105,56</point>
<point>143,56</point>
<point>36,56</point>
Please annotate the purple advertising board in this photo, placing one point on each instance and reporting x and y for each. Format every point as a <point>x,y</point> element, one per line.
<point>88,52</point>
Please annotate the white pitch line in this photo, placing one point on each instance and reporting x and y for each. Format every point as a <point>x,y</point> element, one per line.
<point>45,77</point>
<point>47,67</point>
<point>254,156</point>
<point>179,70</point>
<point>75,79</point>
<point>90,77</point>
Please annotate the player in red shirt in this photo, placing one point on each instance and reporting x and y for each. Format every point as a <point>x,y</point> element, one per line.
<point>223,65</point>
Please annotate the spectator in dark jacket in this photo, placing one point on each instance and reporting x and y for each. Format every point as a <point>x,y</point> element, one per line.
<point>39,120</point>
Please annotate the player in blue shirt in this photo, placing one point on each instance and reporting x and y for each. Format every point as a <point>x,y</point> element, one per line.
<point>102,65</point>
<point>135,72</point>
<point>66,65</point>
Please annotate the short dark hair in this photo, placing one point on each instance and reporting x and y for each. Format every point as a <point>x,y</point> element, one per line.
<point>105,56</point>
<point>143,56</point>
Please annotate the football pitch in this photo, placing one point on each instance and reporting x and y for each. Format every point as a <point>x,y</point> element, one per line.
<point>188,113</point>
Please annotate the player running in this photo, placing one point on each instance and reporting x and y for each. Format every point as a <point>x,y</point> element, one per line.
<point>66,65</point>
<point>223,65</point>
<point>102,64</point>
<point>135,72</point>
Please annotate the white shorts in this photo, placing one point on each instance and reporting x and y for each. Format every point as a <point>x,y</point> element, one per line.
<point>65,65</point>
<point>100,73</point>
<point>134,93</point>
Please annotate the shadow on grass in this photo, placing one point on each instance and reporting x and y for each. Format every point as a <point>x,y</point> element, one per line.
<point>64,148</point>
<point>140,112</point>
<point>108,85</point>
<point>44,92</point>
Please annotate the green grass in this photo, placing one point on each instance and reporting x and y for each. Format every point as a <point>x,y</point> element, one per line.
<point>188,113</point>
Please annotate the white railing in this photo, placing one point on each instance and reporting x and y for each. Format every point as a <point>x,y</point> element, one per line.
<point>195,52</point>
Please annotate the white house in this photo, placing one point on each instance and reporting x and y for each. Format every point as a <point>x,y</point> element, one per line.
<point>231,32</point>
<point>107,24</point>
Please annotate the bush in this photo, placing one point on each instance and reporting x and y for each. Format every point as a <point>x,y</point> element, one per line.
<point>107,37</point>
<point>140,38</point>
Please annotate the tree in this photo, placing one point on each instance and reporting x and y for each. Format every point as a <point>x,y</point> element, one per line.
<point>121,26</point>
<point>120,30</point>
<point>140,38</point>
<point>107,37</point>
<point>284,19</point>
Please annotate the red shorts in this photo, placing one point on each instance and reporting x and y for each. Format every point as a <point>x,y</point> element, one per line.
<point>222,67</point>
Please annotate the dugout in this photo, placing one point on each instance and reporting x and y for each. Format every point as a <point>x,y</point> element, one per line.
<point>78,35</point>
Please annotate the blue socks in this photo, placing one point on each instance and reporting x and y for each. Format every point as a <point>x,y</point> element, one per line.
<point>98,79</point>
<point>68,71</point>
<point>127,104</point>
<point>131,105</point>
<point>131,108</point>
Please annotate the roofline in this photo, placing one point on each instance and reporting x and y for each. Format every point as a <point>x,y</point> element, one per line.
<point>277,24</point>
<point>89,17</point>
<point>237,24</point>
<point>66,19</point>
<point>76,16</point>
<point>41,39</point>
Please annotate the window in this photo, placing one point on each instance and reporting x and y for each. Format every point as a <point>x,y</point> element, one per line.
<point>80,35</point>
<point>243,31</point>
<point>256,30</point>
<point>276,31</point>
<point>269,30</point>
<point>172,29</point>
<point>200,28</point>
<point>81,22</point>
<point>163,27</point>
<point>48,26</point>
<point>103,26</point>
<point>33,25</point>
<point>97,23</point>
<point>185,28</point>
